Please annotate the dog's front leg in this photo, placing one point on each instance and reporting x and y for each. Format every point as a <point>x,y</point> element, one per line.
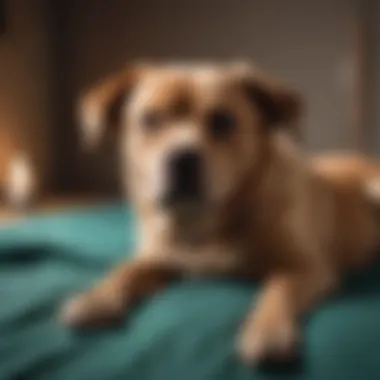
<point>271,330</point>
<point>110,299</point>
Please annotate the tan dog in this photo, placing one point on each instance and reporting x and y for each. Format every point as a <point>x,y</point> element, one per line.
<point>220,188</point>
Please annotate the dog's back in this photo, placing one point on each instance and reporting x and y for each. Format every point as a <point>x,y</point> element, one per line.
<point>354,182</point>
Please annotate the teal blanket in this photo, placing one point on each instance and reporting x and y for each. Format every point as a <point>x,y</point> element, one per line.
<point>184,332</point>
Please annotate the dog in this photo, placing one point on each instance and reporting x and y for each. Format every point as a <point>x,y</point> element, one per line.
<point>221,187</point>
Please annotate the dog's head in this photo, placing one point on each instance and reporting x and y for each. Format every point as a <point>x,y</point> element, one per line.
<point>190,134</point>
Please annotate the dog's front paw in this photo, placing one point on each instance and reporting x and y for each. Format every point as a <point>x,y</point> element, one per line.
<point>93,308</point>
<point>267,337</point>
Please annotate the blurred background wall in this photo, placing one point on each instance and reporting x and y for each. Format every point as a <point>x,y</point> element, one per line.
<point>27,95</point>
<point>327,49</point>
<point>372,16</point>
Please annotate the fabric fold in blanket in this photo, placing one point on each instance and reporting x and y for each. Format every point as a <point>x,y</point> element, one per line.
<point>184,332</point>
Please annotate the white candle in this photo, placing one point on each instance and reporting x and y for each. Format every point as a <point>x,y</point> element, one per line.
<point>21,182</point>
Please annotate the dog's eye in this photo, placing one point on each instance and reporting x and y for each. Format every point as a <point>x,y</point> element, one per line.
<point>221,123</point>
<point>151,120</point>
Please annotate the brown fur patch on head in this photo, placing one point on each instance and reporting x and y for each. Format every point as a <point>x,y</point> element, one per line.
<point>99,108</point>
<point>279,104</point>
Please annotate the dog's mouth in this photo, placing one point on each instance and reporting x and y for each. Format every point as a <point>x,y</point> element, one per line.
<point>174,203</point>
<point>189,196</point>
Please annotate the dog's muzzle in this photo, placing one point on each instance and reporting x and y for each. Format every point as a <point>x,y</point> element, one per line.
<point>185,178</point>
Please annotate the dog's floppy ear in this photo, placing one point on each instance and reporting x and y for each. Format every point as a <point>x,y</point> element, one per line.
<point>100,108</point>
<point>279,105</point>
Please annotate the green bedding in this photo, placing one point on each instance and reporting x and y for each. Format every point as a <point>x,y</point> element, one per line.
<point>185,332</point>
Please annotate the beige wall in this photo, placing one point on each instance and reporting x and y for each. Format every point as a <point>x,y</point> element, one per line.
<point>308,43</point>
<point>25,85</point>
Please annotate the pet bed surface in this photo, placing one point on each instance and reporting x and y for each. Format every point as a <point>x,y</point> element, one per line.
<point>185,332</point>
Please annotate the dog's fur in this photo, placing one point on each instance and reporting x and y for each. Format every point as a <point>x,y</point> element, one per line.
<point>294,222</point>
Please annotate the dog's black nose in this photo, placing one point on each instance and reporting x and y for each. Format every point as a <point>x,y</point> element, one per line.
<point>185,174</point>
